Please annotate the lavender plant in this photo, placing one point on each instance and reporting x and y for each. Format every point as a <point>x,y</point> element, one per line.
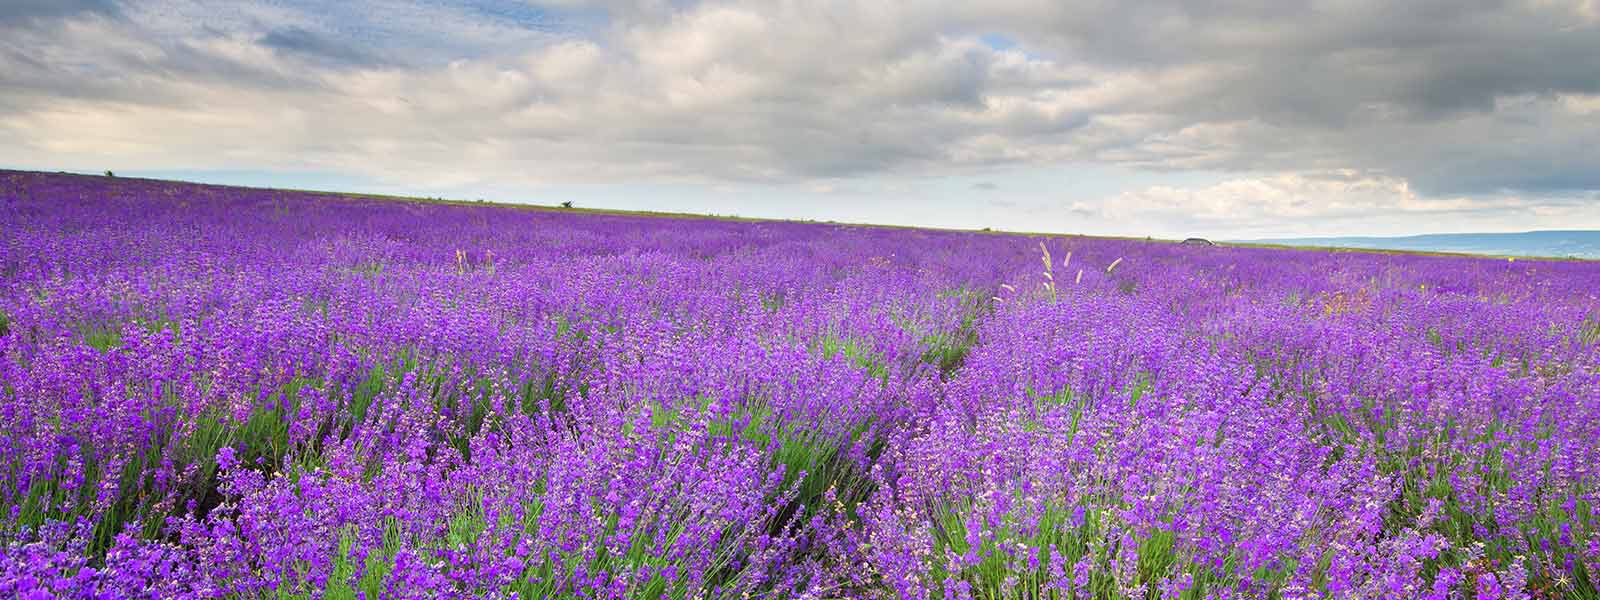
<point>225,392</point>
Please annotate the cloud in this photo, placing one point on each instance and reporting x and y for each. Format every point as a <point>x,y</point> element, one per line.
<point>1450,99</point>
<point>1323,202</point>
<point>706,95</point>
<point>19,12</point>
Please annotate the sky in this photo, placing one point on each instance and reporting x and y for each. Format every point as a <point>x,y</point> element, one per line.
<point>1212,118</point>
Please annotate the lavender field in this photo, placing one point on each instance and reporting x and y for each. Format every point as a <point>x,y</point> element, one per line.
<point>222,392</point>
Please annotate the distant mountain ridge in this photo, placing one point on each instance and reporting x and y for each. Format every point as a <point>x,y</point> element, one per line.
<point>1560,244</point>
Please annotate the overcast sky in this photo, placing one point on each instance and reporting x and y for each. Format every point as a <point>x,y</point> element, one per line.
<point>1255,118</point>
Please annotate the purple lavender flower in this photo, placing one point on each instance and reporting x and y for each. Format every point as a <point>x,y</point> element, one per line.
<point>221,392</point>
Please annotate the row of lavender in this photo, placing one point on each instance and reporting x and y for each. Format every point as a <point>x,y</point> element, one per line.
<point>211,392</point>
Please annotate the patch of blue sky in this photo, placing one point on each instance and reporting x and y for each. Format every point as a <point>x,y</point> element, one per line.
<point>419,33</point>
<point>1000,42</point>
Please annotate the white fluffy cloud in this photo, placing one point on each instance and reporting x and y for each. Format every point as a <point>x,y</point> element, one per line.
<point>1327,203</point>
<point>1326,110</point>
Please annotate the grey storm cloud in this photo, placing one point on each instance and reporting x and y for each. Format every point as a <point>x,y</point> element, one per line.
<point>1449,96</point>
<point>1457,96</point>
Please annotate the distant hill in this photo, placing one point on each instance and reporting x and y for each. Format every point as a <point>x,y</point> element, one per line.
<point>1564,244</point>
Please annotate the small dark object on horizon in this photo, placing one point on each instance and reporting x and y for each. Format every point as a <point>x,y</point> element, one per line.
<point>1198,242</point>
<point>110,174</point>
<point>567,204</point>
